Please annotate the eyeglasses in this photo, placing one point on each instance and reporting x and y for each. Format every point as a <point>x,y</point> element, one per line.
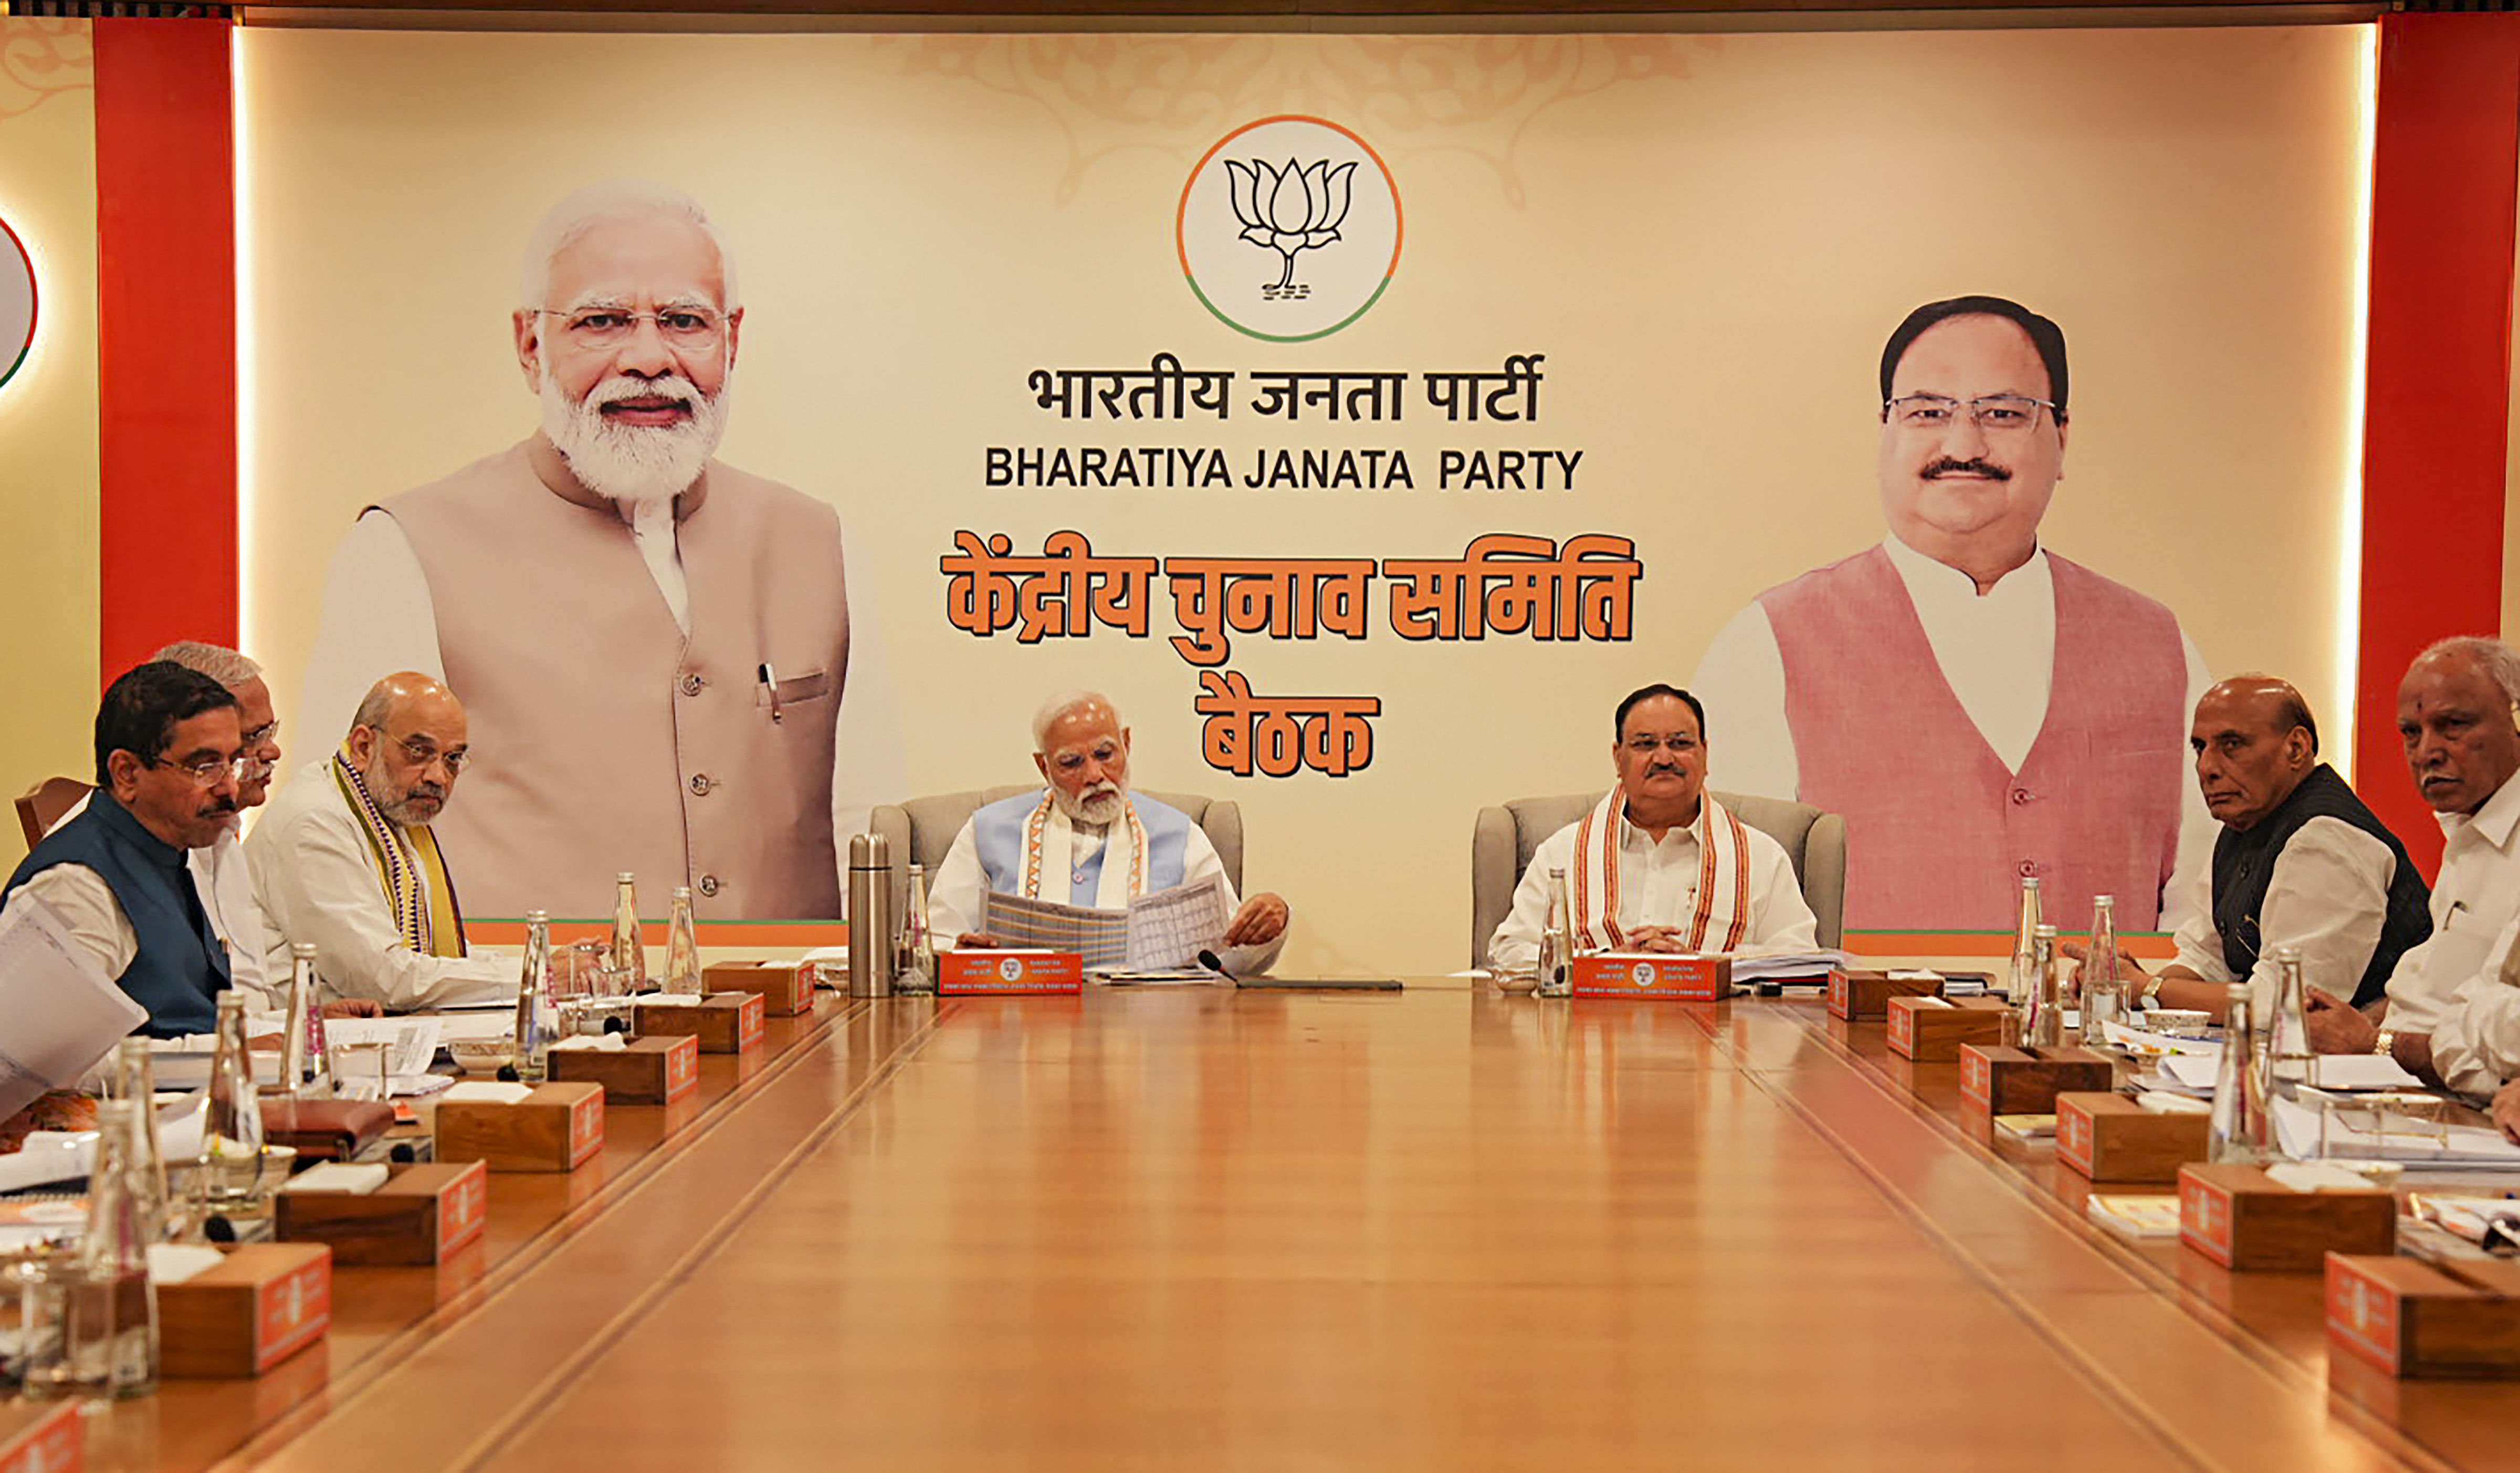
<point>1675,742</point>
<point>208,771</point>
<point>697,329</point>
<point>423,752</point>
<point>1994,413</point>
<point>261,736</point>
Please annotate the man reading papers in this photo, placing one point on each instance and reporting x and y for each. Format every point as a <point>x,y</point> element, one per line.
<point>1087,840</point>
<point>1657,865</point>
<point>346,859</point>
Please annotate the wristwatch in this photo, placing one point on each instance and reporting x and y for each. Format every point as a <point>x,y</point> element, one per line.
<point>2151,990</point>
<point>2385,1044</point>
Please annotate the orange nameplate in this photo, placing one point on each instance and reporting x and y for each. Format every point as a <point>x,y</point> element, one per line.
<point>1637,974</point>
<point>983,973</point>
<point>2245,1221</point>
<point>2417,1320</point>
<point>267,1301</point>
<point>42,1439</point>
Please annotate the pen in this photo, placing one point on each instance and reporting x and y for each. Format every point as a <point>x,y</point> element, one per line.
<point>770,687</point>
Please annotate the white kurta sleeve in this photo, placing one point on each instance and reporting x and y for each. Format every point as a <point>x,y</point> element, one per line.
<point>86,903</point>
<point>1782,920</point>
<point>1741,682</point>
<point>1199,859</point>
<point>2329,897</point>
<point>956,889</point>
<point>315,884</point>
<point>377,619</point>
<point>2476,1044</point>
<point>2200,945</point>
<point>869,764</point>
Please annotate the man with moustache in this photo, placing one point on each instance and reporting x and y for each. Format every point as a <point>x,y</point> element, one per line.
<point>2301,862</point>
<point>1658,865</point>
<point>348,859</point>
<point>1980,710</point>
<point>219,867</point>
<point>169,755</point>
<point>653,646</point>
<point>1111,844</point>
<point>2453,1011</point>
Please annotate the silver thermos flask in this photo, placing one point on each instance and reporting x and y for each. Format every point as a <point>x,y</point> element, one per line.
<point>871,942</point>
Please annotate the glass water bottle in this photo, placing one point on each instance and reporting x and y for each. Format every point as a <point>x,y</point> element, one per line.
<point>231,1161</point>
<point>629,953</point>
<point>305,1063</point>
<point>2288,1049</point>
<point>917,943</point>
<point>537,1014</point>
<point>2238,1130</point>
<point>1558,942</point>
<point>2025,931</point>
<point>135,1078</point>
<point>2103,993</point>
<point>683,950</point>
<point>2043,1019</point>
<point>112,1307</point>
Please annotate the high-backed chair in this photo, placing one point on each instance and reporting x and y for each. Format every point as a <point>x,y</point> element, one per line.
<point>1502,845</point>
<point>921,830</point>
<point>41,806</point>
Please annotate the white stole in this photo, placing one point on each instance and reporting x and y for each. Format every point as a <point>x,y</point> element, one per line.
<point>1721,915</point>
<point>1047,831</point>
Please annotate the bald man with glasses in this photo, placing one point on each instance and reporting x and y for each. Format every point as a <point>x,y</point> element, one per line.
<point>169,756</point>
<point>347,858</point>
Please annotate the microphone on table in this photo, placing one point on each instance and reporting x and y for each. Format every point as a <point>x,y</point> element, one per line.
<point>1215,964</point>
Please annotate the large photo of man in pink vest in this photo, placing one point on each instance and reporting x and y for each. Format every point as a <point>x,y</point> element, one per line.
<point>1980,709</point>
<point>668,662</point>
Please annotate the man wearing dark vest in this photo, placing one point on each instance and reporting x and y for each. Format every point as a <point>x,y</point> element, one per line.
<point>169,753</point>
<point>1980,710</point>
<point>655,647</point>
<point>2301,862</point>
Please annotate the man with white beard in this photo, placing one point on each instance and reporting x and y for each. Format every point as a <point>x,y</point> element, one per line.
<point>652,646</point>
<point>1087,840</point>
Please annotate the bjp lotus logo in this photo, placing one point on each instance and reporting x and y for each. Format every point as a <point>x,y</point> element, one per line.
<point>1290,211</point>
<point>1247,225</point>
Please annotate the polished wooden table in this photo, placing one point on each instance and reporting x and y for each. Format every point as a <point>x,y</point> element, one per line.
<point>1439,1230</point>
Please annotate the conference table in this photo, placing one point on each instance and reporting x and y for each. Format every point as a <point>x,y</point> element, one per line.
<point>1439,1228</point>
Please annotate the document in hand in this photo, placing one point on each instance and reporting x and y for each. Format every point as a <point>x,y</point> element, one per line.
<point>1164,929</point>
<point>63,1012</point>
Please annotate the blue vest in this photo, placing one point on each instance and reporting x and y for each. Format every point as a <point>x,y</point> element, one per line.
<point>180,966</point>
<point>998,832</point>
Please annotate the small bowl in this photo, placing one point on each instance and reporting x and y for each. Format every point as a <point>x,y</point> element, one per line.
<point>2186,1022</point>
<point>482,1055</point>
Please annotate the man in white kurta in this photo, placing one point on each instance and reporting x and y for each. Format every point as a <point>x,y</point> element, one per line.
<point>1657,826</point>
<point>344,859</point>
<point>1087,840</point>
<point>2446,997</point>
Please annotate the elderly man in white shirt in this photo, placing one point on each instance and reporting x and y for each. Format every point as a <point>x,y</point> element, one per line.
<point>1658,865</point>
<point>1088,840</point>
<point>2446,1013</point>
<point>346,858</point>
<point>2041,706</point>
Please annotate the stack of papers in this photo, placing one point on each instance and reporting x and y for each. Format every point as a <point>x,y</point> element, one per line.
<point>1785,966</point>
<point>2469,1147</point>
<point>1160,932</point>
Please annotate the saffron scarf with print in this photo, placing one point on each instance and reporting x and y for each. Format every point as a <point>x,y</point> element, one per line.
<point>1723,913</point>
<point>408,864</point>
<point>1047,819</point>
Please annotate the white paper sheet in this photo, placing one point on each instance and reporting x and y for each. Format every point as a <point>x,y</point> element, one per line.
<point>62,1014</point>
